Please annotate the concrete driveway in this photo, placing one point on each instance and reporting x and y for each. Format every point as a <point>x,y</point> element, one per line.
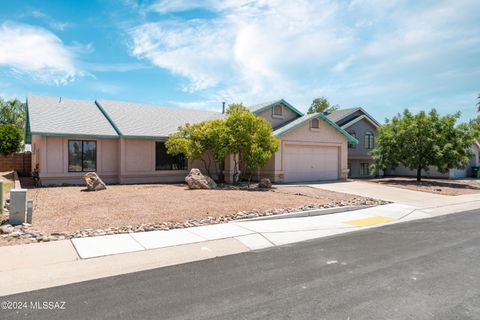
<point>403,196</point>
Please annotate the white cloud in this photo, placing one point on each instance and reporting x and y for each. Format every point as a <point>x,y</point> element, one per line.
<point>37,53</point>
<point>252,43</point>
<point>349,51</point>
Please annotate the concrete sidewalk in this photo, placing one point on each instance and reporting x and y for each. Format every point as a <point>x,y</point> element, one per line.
<point>43,265</point>
<point>398,195</point>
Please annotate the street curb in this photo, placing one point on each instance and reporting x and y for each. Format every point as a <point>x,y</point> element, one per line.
<point>308,213</point>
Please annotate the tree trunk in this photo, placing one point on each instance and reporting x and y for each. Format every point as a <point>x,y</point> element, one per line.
<point>206,167</point>
<point>419,174</point>
<point>221,175</point>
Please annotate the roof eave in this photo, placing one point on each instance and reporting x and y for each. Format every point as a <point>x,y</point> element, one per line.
<point>82,135</point>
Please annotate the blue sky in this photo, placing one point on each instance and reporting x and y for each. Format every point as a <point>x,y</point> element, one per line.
<point>381,55</point>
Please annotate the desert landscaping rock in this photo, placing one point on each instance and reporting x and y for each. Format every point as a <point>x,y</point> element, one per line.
<point>196,180</point>
<point>94,183</point>
<point>26,233</point>
<point>265,183</point>
<point>6,229</point>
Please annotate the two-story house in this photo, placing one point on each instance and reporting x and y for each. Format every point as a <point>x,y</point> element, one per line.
<point>362,126</point>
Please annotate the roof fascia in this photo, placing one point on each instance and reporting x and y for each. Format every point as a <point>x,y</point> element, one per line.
<point>285,103</point>
<point>50,134</point>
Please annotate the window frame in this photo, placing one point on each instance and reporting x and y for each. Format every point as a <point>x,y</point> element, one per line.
<point>82,154</point>
<point>317,121</point>
<point>369,140</point>
<point>277,107</point>
<point>362,172</point>
<point>171,163</point>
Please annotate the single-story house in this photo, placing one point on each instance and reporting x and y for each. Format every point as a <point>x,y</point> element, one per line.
<point>362,126</point>
<point>125,142</point>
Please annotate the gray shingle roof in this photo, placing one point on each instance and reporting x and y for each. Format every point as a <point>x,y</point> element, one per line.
<point>146,120</point>
<point>67,117</point>
<point>339,114</point>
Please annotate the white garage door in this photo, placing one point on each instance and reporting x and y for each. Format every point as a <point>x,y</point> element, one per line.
<point>310,163</point>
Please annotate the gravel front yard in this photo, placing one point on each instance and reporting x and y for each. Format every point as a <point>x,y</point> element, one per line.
<point>439,186</point>
<point>69,211</point>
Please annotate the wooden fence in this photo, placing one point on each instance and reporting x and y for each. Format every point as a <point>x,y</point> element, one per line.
<point>20,162</point>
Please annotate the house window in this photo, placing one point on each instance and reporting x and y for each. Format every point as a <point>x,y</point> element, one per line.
<point>369,140</point>
<point>82,155</point>
<point>164,161</point>
<point>351,145</point>
<point>315,124</point>
<point>364,169</point>
<point>278,110</point>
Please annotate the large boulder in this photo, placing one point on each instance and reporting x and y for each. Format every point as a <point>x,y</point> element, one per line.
<point>94,183</point>
<point>196,180</point>
<point>265,183</point>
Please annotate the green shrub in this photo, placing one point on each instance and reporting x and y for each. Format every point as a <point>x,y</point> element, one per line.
<point>10,139</point>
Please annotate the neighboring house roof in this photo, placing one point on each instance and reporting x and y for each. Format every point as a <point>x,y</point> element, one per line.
<point>266,105</point>
<point>355,120</point>
<point>137,120</point>
<point>48,116</point>
<point>304,119</point>
<point>338,115</point>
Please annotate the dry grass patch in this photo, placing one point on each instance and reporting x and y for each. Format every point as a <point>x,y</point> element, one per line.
<point>70,209</point>
<point>439,186</point>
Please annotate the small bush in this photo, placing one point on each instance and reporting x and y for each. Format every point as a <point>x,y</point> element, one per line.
<point>10,139</point>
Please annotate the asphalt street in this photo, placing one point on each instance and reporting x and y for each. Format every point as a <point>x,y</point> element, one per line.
<point>425,269</point>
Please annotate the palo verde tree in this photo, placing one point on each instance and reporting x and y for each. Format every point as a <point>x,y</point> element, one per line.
<point>421,140</point>
<point>249,139</point>
<point>321,105</point>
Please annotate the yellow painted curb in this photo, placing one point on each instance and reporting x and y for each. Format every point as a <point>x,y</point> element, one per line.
<point>369,221</point>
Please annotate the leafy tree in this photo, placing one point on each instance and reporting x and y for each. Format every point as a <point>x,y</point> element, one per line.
<point>241,133</point>
<point>12,112</point>
<point>321,105</point>
<point>202,141</point>
<point>418,141</point>
<point>10,139</point>
<point>250,138</point>
<point>478,103</point>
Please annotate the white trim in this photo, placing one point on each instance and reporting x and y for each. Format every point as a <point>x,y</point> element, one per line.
<point>348,124</point>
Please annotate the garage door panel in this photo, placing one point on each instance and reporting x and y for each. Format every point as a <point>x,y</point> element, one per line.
<point>310,163</point>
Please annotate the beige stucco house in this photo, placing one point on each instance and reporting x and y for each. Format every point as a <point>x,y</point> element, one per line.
<point>124,142</point>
